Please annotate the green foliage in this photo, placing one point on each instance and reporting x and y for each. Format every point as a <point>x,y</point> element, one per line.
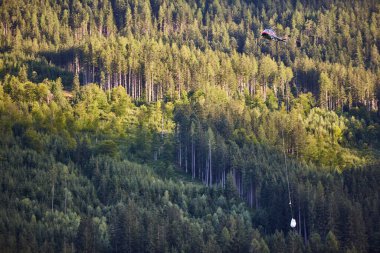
<point>66,163</point>
<point>258,244</point>
<point>332,245</point>
<point>316,244</point>
<point>76,83</point>
<point>164,50</point>
<point>147,93</point>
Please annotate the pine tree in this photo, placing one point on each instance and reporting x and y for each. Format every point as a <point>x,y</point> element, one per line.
<point>76,83</point>
<point>85,240</point>
<point>332,244</point>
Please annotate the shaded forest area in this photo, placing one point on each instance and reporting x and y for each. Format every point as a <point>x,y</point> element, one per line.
<point>163,126</point>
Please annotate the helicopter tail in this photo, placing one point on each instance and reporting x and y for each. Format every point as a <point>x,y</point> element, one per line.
<point>287,38</point>
<point>284,39</point>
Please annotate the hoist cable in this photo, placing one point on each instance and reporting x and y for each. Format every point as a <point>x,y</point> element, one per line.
<point>287,176</point>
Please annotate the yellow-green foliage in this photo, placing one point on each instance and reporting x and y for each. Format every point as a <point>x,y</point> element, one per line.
<point>312,134</point>
<point>41,110</point>
<point>325,134</point>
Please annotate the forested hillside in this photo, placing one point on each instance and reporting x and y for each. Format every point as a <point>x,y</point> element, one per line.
<point>171,126</point>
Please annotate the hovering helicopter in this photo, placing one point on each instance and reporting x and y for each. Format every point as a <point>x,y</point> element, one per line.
<point>270,34</point>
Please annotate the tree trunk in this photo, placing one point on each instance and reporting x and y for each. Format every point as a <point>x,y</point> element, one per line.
<point>140,86</point>
<point>299,218</point>
<point>265,91</point>
<point>147,90</point>
<point>180,154</point>
<point>304,229</point>
<point>186,159</point>
<point>129,83</point>
<point>93,73</point>
<point>192,158</point>
<point>66,196</point>
<point>210,160</point>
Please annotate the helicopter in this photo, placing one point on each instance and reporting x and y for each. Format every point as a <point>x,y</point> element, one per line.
<point>270,34</point>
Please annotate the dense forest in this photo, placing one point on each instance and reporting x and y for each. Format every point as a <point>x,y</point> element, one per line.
<point>172,126</point>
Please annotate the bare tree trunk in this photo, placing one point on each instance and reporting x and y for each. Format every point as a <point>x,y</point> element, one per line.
<point>129,83</point>
<point>192,157</point>
<point>210,160</point>
<point>147,96</point>
<point>125,81</point>
<point>151,87</point>
<point>265,91</point>
<point>224,178</point>
<point>299,218</point>
<point>207,172</point>
<point>109,85</point>
<point>133,87</point>
<point>199,170</point>
<point>179,85</point>
<point>304,229</point>
<point>180,154</point>
<point>140,84</point>
<point>186,159</point>
<point>66,196</point>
